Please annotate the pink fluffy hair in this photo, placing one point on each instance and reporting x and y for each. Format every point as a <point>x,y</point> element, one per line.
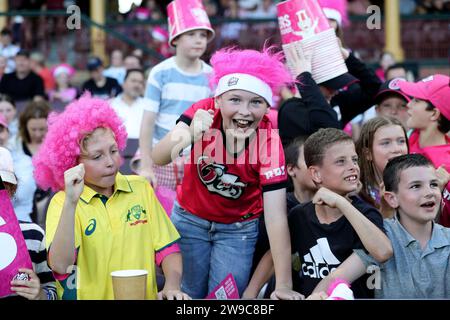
<point>266,65</point>
<point>61,147</point>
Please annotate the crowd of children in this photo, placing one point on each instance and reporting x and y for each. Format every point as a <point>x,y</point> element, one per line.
<point>285,211</point>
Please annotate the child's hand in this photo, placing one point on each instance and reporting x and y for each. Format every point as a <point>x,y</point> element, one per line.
<point>286,294</point>
<point>28,289</point>
<point>172,294</point>
<point>443,176</point>
<point>327,197</point>
<point>318,296</point>
<point>74,182</point>
<point>201,122</point>
<point>299,60</point>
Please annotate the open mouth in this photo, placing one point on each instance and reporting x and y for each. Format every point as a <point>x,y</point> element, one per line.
<point>242,124</point>
<point>428,204</point>
<point>351,178</point>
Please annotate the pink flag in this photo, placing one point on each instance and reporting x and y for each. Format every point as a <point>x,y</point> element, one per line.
<point>13,250</point>
<point>226,290</point>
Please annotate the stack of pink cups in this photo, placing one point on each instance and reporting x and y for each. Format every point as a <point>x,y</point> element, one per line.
<point>304,26</point>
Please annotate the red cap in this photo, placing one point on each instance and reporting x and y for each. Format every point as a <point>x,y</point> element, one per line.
<point>435,89</point>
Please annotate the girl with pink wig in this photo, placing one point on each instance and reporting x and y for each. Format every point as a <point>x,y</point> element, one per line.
<point>235,171</point>
<point>100,220</point>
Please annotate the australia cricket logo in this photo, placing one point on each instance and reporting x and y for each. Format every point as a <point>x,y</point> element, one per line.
<point>136,215</point>
<point>216,179</point>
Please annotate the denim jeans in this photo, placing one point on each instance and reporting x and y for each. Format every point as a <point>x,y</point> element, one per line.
<point>212,250</point>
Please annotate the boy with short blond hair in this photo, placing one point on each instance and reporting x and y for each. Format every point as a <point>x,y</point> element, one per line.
<point>175,84</point>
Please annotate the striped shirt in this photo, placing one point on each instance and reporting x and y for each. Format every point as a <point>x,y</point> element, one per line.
<point>35,240</point>
<point>172,91</point>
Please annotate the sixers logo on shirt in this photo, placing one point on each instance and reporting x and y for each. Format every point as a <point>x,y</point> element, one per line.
<point>216,179</point>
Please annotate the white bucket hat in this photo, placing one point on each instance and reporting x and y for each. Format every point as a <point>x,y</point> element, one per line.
<point>6,166</point>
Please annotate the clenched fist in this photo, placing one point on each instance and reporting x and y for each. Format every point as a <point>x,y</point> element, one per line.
<point>326,197</point>
<point>74,182</point>
<point>201,123</point>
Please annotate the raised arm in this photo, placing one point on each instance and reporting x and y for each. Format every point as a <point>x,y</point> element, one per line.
<point>62,249</point>
<point>182,136</point>
<point>372,237</point>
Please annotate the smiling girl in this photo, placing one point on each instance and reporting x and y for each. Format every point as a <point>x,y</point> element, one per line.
<point>381,139</point>
<point>235,172</point>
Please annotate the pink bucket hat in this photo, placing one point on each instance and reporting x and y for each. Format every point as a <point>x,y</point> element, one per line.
<point>435,89</point>
<point>187,15</point>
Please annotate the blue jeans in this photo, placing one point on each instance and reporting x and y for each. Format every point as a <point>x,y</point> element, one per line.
<point>212,250</point>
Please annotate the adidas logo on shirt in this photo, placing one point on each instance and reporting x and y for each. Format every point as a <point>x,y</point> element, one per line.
<point>320,261</point>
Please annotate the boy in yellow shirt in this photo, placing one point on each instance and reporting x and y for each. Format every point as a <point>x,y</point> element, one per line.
<point>101,221</point>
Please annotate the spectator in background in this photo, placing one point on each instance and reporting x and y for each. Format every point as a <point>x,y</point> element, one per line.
<point>432,6</point>
<point>116,70</point>
<point>210,7</point>
<point>231,30</point>
<point>99,85</point>
<point>130,104</point>
<point>386,60</point>
<point>265,9</point>
<point>407,6</point>
<point>3,63</point>
<point>358,7</point>
<point>23,84</point>
<point>396,70</point>
<point>388,102</point>
<point>4,131</point>
<point>9,112</point>
<point>32,130</point>
<point>132,62</point>
<point>63,92</point>
<point>37,63</point>
<point>160,41</point>
<point>248,7</point>
<point>8,50</point>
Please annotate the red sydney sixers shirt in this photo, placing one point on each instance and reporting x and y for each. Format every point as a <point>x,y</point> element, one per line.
<point>225,187</point>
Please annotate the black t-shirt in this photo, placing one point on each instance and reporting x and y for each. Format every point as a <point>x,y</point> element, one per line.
<point>320,248</point>
<point>111,88</point>
<point>304,116</point>
<point>22,89</point>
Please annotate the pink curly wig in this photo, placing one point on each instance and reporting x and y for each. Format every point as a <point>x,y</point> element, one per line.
<point>266,65</point>
<point>61,147</point>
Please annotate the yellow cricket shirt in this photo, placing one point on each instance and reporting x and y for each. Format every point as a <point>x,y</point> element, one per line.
<point>123,233</point>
